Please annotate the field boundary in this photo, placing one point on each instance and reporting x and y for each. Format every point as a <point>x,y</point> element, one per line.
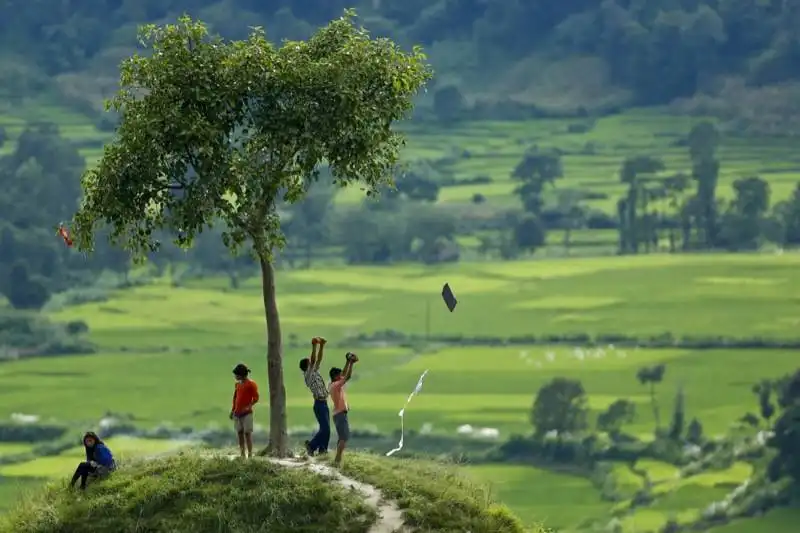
<point>382,339</point>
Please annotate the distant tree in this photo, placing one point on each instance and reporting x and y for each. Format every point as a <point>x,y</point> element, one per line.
<point>694,433</point>
<point>678,422</point>
<point>742,225</point>
<point>786,216</point>
<point>560,405</point>
<point>374,237</point>
<point>432,233</point>
<point>23,290</point>
<point>618,414</point>
<point>449,104</point>
<point>213,129</point>
<point>529,233</point>
<point>786,439</point>
<point>651,376</point>
<point>763,392</point>
<point>674,187</point>
<point>635,225</point>
<point>308,226</point>
<point>573,213</point>
<point>537,169</point>
<point>418,187</point>
<point>751,420</point>
<point>703,142</point>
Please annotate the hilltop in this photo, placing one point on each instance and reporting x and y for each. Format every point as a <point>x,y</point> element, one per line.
<point>196,492</point>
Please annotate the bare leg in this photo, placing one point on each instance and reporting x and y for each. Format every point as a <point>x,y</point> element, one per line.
<point>340,446</point>
<point>248,438</point>
<point>241,442</point>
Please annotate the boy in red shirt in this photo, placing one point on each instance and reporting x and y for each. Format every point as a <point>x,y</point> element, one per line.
<point>339,379</point>
<point>245,396</point>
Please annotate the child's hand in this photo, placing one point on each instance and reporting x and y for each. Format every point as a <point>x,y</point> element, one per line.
<point>322,340</point>
<point>314,341</point>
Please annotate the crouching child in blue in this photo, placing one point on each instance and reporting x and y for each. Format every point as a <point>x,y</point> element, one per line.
<point>99,460</point>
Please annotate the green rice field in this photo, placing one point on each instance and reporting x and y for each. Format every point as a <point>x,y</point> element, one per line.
<point>492,149</point>
<point>166,354</point>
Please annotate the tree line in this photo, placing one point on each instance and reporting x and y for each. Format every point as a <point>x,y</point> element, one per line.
<point>682,208</point>
<point>659,49</point>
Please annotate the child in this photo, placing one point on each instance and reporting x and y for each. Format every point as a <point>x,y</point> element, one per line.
<point>245,396</point>
<point>339,379</point>
<point>99,460</point>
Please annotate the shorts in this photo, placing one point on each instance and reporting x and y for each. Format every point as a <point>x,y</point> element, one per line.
<point>342,426</point>
<point>244,423</point>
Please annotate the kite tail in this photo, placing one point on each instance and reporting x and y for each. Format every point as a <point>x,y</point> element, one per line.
<point>402,433</point>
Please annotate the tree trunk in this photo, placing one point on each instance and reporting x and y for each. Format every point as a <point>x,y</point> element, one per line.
<point>278,436</point>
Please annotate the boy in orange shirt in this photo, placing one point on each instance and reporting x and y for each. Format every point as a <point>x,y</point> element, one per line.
<point>245,396</point>
<point>339,379</point>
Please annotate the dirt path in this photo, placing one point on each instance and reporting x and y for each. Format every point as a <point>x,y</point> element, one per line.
<point>390,518</point>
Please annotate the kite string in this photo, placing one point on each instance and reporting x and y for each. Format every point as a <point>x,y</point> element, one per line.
<point>402,413</point>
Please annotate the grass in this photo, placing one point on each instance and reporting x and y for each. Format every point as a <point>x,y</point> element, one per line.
<point>560,501</point>
<point>13,488</point>
<point>13,448</point>
<point>434,497</point>
<point>125,449</point>
<point>192,493</point>
<point>206,330</point>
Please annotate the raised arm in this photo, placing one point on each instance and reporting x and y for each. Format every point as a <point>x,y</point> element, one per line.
<point>315,363</point>
<point>312,360</point>
<point>348,367</point>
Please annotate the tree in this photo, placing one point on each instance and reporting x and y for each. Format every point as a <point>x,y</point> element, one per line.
<point>573,214</point>
<point>678,423</point>
<point>786,439</point>
<point>763,392</point>
<point>674,188</point>
<point>652,375</point>
<point>23,290</point>
<point>218,130</point>
<point>449,104</point>
<point>634,223</point>
<point>560,405</point>
<point>703,142</point>
<point>307,225</point>
<point>529,233</point>
<point>618,414</point>
<point>694,433</point>
<point>537,169</point>
<point>743,224</point>
<point>787,217</point>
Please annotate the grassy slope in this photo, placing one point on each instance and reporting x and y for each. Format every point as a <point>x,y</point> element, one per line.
<point>196,493</point>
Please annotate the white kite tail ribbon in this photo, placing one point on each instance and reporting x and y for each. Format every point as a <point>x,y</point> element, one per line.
<point>402,413</point>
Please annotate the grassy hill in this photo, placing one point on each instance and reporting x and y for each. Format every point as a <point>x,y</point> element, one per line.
<point>194,492</point>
